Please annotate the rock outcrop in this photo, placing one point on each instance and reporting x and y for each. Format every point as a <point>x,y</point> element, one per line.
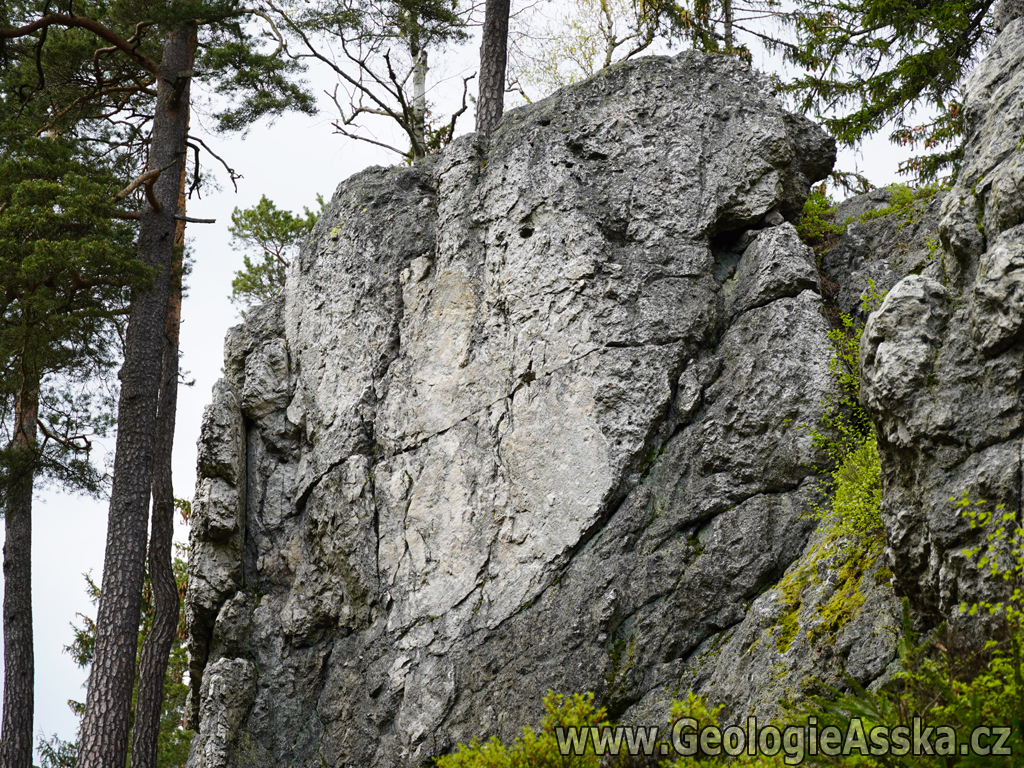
<point>528,416</point>
<point>942,360</point>
<point>885,239</point>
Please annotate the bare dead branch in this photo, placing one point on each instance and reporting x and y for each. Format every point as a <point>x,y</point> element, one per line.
<point>235,176</point>
<point>450,130</point>
<point>149,176</point>
<point>343,132</point>
<point>273,28</point>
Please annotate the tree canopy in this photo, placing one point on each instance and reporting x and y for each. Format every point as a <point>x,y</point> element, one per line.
<point>380,53</point>
<point>66,267</point>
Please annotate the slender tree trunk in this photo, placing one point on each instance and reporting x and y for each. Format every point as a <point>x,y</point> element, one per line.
<point>419,100</point>
<point>727,12</point>
<point>156,649</point>
<point>105,723</point>
<point>493,57</point>
<point>418,127</point>
<point>19,656</point>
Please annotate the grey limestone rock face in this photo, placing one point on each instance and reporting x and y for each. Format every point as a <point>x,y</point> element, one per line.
<point>942,360</point>
<point>1006,11</point>
<point>883,250</point>
<point>526,417</point>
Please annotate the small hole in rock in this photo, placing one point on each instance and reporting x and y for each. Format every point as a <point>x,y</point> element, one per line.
<point>526,232</point>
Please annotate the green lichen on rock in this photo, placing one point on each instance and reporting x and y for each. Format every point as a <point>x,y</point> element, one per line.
<point>792,588</point>
<point>848,597</point>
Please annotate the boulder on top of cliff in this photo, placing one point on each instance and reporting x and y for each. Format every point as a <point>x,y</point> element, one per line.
<point>527,417</point>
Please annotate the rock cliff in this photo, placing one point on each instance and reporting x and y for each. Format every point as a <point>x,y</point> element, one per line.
<point>534,414</point>
<point>942,363</point>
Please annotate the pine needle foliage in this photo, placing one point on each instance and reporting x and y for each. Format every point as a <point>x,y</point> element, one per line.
<point>270,237</point>
<point>871,65</point>
<point>67,268</point>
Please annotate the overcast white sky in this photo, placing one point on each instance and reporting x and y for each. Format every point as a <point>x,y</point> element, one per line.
<point>291,162</point>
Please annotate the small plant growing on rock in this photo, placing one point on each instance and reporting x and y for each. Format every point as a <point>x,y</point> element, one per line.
<point>906,204</point>
<point>817,226</point>
<point>848,439</point>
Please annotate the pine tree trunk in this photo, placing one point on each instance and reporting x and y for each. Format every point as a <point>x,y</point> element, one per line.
<point>493,56</point>
<point>156,649</point>
<point>19,655</point>
<point>105,723</point>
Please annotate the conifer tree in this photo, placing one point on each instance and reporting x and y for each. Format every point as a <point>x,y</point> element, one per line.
<point>65,265</point>
<point>119,58</point>
<point>871,65</point>
<point>271,237</point>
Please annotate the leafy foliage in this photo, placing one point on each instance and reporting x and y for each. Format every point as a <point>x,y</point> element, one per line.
<point>591,35</point>
<point>943,680</point>
<point>276,233</point>
<point>536,749</point>
<point>853,511</point>
<point>817,226</point>
<point>906,204</point>
<point>949,688</point>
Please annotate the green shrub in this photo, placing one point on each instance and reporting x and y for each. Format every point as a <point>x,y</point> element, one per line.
<point>847,437</point>
<point>854,510</point>
<point>536,749</point>
<point>943,681</point>
<point>817,226</point>
<point>906,204</point>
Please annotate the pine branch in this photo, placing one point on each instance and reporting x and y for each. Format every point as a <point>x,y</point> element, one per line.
<point>101,31</point>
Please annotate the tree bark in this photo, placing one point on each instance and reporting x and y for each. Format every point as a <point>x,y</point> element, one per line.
<point>493,57</point>
<point>19,654</point>
<point>727,13</point>
<point>105,723</point>
<point>156,649</point>
<point>419,97</point>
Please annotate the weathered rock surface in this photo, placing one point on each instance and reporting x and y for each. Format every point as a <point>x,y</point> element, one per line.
<point>880,251</point>
<point>527,417</point>
<point>942,360</point>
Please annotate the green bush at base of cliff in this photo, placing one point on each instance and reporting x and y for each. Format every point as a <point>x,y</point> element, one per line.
<point>536,749</point>
<point>945,681</point>
<point>945,689</point>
